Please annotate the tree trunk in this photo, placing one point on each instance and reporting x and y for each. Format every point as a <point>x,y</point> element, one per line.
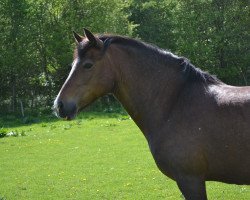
<point>21,106</point>
<point>14,94</point>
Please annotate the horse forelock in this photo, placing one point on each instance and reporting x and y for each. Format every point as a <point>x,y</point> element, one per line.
<point>82,48</point>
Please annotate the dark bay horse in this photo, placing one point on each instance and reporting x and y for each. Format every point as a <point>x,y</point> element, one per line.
<point>197,127</point>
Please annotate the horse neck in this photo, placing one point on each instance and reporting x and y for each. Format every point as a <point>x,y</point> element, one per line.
<point>147,89</point>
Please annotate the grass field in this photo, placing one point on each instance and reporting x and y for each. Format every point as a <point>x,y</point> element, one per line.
<point>96,156</point>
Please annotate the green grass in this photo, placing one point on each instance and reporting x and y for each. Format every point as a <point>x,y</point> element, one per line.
<point>93,157</point>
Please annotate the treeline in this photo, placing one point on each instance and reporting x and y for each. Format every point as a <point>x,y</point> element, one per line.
<point>36,43</point>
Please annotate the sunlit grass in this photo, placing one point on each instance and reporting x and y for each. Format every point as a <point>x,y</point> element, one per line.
<point>93,157</point>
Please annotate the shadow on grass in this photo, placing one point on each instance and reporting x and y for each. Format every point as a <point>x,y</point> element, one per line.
<point>11,121</point>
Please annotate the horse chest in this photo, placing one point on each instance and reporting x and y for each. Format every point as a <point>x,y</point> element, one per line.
<point>173,155</point>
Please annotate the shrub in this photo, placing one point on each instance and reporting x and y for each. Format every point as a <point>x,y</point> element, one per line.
<point>3,133</point>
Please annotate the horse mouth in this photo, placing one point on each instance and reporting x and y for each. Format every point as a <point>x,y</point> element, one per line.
<point>64,116</point>
<point>70,117</point>
<point>74,114</point>
<point>66,113</point>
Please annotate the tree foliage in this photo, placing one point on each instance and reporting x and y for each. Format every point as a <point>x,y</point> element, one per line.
<point>36,41</point>
<point>215,35</point>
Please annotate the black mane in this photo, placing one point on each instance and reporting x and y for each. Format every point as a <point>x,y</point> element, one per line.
<point>189,71</point>
<point>196,74</point>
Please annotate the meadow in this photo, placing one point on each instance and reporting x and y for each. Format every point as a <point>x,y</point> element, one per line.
<point>96,156</point>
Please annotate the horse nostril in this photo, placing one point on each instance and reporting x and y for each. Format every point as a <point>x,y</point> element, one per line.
<point>65,109</point>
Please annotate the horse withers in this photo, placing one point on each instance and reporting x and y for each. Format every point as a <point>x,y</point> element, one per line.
<point>197,127</point>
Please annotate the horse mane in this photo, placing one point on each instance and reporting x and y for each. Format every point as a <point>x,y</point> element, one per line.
<point>196,74</point>
<point>189,71</point>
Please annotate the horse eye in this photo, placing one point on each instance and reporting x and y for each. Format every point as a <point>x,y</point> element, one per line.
<point>88,65</point>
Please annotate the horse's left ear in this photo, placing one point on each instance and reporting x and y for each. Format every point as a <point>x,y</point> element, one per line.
<point>93,40</point>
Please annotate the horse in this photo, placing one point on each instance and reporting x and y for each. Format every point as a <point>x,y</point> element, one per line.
<point>196,126</point>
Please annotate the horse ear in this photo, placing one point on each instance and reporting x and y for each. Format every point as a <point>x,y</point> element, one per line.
<point>77,37</point>
<point>92,39</point>
<point>89,35</point>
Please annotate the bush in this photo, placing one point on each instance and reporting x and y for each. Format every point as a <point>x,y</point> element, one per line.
<point>3,133</point>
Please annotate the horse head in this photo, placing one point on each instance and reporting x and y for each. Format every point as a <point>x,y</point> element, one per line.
<point>91,76</point>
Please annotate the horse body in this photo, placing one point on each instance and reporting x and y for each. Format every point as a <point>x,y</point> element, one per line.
<point>196,126</point>
<point>230,135</point>
<point>207,139</point>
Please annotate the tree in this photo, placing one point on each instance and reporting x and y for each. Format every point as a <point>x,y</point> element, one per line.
<point>213,35</point>
<point>154,19</point>
<point>37,44</point>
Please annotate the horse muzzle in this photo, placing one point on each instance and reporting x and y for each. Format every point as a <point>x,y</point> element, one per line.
<point>66,110</point>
